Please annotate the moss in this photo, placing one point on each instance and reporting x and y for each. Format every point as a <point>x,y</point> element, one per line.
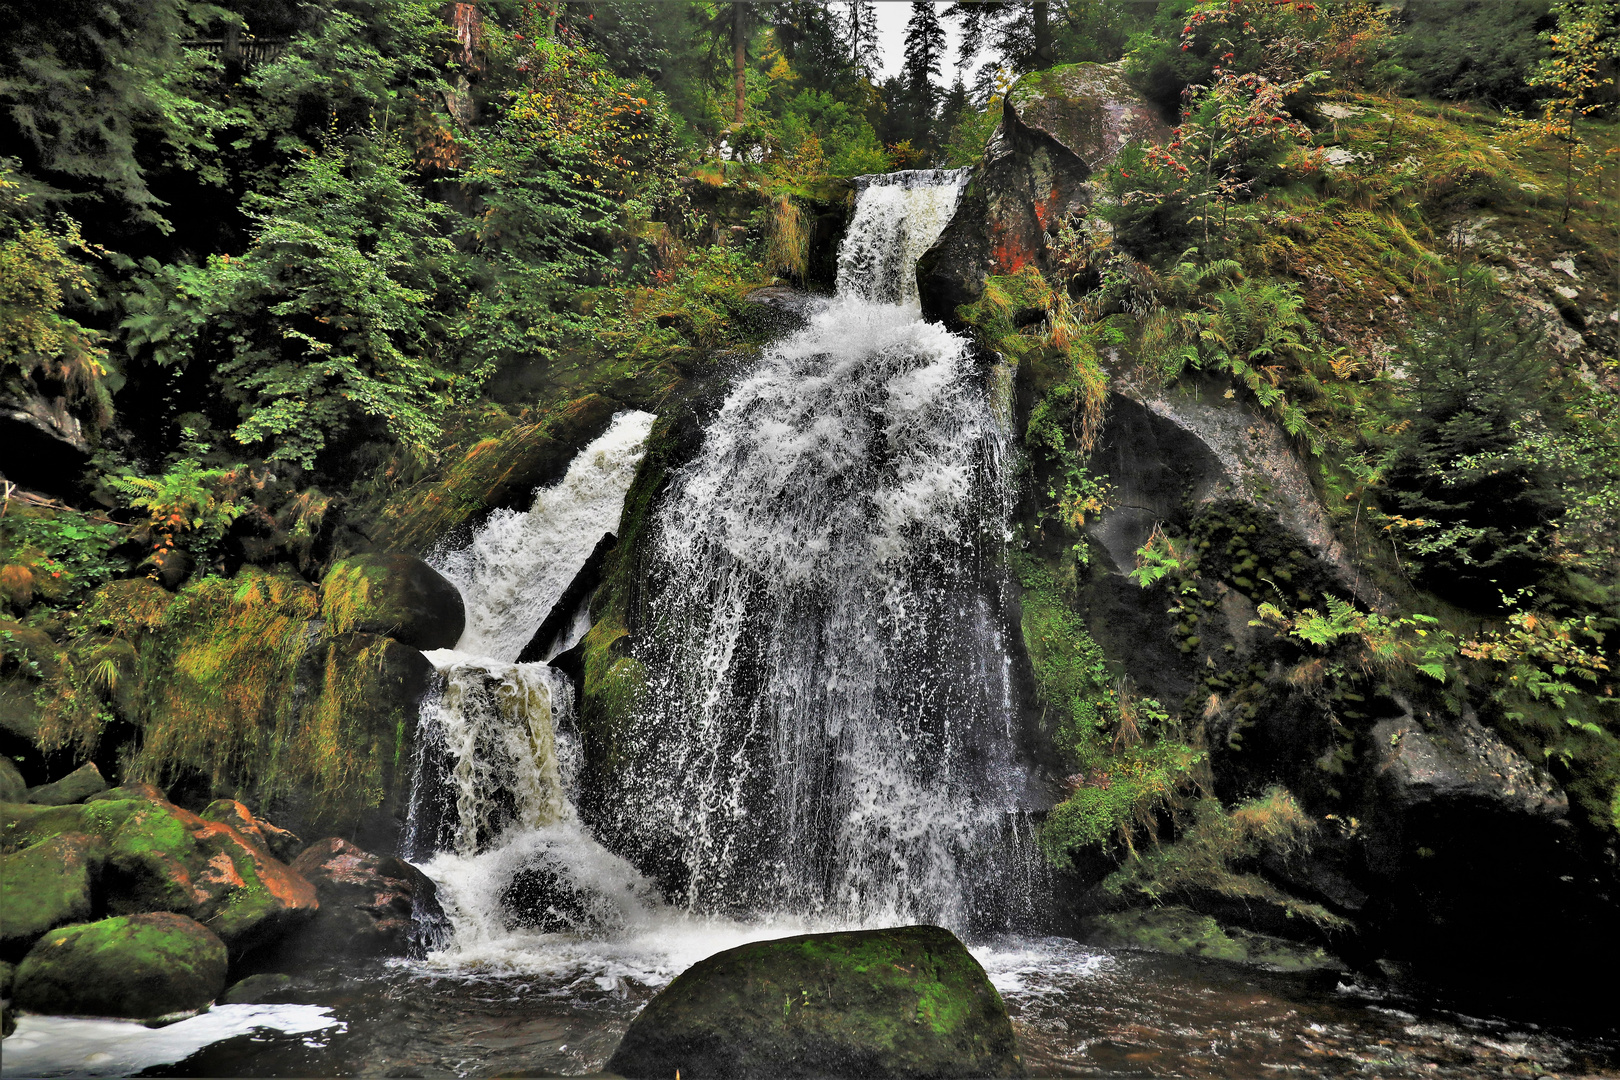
<point>1217,852</point>
<point>1180,931</point>
<point>492,469</point>
<point>140,966</point>
<point>236,681</point>
<point>48,884</point>
<point>1125,771</point>
<point>910,1001</point>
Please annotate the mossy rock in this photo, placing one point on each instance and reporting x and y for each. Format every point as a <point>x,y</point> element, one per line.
<point>13,788</point>
<point>393,594</point>
<point>136,966</point>
<point>1088,109</point>
<point>1180,931</point>
<point>141,854</point>
<point>75,787</point>
<point>164,858</point>
<point>47,885</point>
<point>904,1002</point>
<point>27,650</point>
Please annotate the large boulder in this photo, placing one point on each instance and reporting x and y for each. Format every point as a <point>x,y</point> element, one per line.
<point>1058,128</point>
<point>137,966</point>
<point>47,885</point>
<point>369,904</point>
<point>394,594</point>
<point>906,1002</point>
<point>164,858</point>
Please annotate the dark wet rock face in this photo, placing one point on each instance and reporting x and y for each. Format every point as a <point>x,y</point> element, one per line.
<point>1058,128</point>
<point>369,904</point>
<point>137,966</point>
<point>394,594</point>
<point>906,1002</point>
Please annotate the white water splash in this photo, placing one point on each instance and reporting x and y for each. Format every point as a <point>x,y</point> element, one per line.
<point>519,563</point>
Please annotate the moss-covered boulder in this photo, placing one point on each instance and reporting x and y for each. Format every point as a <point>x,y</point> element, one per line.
<point>906,1002</point>
<point>47,885</point>
<point>280,843</point>
<point>138,966</point>
<point>164,858</point>
<point>13,788</point>
<point>394,594</point>
<point>76,786</point>
<point>1180,931</point>
<point>131,851</point>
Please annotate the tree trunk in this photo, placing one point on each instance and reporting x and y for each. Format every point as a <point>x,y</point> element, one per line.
<point>739,57</point>
<point>1044,54</point>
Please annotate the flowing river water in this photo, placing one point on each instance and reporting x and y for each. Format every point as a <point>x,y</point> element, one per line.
<point>827,740</point>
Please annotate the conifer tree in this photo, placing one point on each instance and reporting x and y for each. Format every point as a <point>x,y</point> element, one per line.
<point>864,52</point>
<point>925,52</point>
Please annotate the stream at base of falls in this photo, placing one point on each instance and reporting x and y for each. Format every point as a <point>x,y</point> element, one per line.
<point>1077,1011</point>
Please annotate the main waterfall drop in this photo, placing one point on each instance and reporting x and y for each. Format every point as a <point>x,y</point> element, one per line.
<point>828,725</point>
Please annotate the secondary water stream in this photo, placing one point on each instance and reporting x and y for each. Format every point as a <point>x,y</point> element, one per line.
<point>827,741</point>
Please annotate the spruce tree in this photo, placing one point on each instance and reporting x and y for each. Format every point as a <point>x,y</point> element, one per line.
<point>925,53</point>
<point>1471,507</point>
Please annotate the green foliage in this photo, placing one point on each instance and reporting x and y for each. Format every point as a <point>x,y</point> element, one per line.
<point>187,508</point>
<point>1157,560</point>
<point>1471,508</point>
<point>1130,760</point>
<point>54,558</point>
<point>1382,643</point>
<point>356,65</point>
<point>339,320</point>
<point>102,93</point>
<point>1256,332</point>
<point>1481,50</point>
<point>42,348</point>
<point>1218,853</point>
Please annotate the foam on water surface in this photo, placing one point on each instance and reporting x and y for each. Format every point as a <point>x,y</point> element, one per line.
<point>52,1046</point>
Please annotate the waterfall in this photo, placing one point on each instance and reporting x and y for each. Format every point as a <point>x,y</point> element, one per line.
<point>519,563</point>
<point>898,216</point>
<point>492,808</point>
<point>828,722</point>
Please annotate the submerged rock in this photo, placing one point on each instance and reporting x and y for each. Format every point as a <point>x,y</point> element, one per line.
<point>906,1002</point>
<point>394,594</point>
<point>1180,931</point>
<point>369,904</point>
<point>258,990</point>
<point>137,966</point>
<point>76,786</point>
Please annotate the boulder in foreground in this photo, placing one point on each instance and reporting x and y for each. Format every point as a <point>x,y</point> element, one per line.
<point>905,1002</point>
<point>136,966</point>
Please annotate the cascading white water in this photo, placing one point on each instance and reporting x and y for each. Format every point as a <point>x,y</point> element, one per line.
<point>827,727</point>
<point>492,812</point>
<point>898,216</point>
<point>519,563</point>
